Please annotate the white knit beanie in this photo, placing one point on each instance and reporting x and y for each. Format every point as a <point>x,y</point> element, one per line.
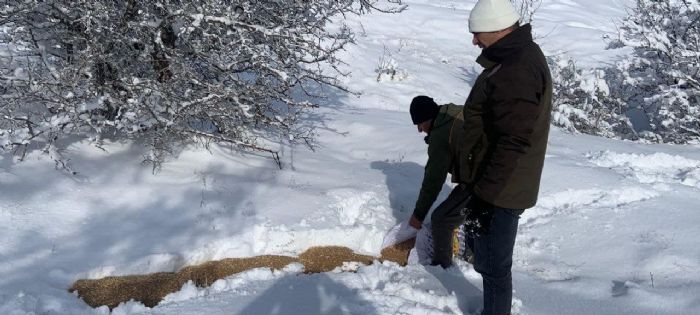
<point>492,15</point>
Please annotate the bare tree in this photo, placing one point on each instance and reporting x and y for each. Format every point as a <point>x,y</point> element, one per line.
<point>527,9</point>
<point>168,72</point>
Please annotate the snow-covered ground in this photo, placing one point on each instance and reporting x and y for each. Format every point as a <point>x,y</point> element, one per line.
<point>613,232</point>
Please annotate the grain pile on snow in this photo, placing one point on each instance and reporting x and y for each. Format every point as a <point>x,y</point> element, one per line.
<point>151,289</point>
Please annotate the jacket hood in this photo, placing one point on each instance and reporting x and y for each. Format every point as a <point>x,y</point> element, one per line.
<point>446,115</point>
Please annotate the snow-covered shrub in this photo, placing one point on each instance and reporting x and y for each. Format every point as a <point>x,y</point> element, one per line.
<point>582,101</point>
<point>167,72</point>
<point>657,88</point>
<point>662,77</point>
<point>389,67</point>
<point>386,66</point>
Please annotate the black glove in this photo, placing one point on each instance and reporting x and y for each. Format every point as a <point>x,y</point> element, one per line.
<point>479,213</point>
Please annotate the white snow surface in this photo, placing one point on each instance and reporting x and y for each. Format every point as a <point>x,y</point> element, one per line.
<point>609,211</point>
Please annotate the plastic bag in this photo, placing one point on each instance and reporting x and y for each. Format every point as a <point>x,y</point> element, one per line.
<point>399,233</point>
<point>422,252</point>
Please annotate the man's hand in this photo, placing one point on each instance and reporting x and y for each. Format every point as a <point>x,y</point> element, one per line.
<point>413,222</point>
<point>478,220</point>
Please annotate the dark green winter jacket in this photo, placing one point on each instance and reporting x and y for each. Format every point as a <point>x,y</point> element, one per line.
<point>506,120</point>
<point>440,157</point>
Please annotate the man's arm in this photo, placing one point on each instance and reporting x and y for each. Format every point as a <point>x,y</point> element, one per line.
<point>436,170</point>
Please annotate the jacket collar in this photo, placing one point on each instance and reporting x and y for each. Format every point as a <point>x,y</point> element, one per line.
<point>506,46</point>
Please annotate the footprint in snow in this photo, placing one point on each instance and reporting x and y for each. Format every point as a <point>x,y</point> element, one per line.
<point>656,168</point>
<point>581,201</point>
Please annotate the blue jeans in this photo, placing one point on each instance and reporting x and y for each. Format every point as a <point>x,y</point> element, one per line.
<point>493,258</point>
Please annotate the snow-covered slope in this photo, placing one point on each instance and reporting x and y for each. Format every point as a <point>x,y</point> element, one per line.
<point>609,211</point>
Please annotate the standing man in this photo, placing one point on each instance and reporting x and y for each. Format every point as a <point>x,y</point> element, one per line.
<point>506,126</point>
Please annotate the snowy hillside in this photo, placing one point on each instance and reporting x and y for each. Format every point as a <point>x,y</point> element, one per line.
<point>614,231</point>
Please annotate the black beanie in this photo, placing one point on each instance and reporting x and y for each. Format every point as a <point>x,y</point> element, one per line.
<point>423,108</point>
